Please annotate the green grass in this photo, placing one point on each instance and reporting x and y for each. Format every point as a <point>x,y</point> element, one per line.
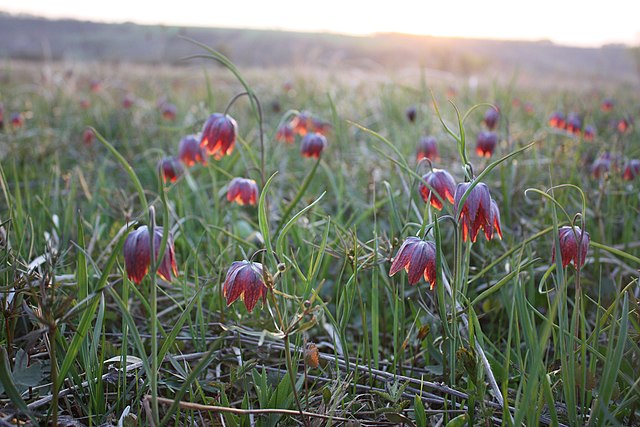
<point>506,337</point>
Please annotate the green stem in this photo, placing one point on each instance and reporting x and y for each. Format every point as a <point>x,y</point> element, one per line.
<point>53,332</point>
<point>292,377</point>
<point>153,378</point>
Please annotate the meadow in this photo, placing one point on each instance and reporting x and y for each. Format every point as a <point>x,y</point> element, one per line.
<point>346,280</point>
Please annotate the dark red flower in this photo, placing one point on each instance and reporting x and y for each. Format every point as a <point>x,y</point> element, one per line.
<point>245,280</point>
<point>570,239</point>
<point>137,250</point>
<point>557,120</point>
<point>601,166</point>
<point>442,183</point>
<point>17,120</point>
<point>476,212</point>
<point>418,258</point>
<point>573,123</point>
<point>313,144</point>
<point>1,116</point>
<point>243,191</point>
<point>495,213</point>
<point>486,143</point>
<point>411,114</point>
<point>88,136</point>
<point>631,170</point>
<point>319,126</point>
<point>286,134</point>
<point>607,105</point>
<point>169,111</point>
<point>491,118</point>
<point>302,123</point>
<point>589,132</point>
<point>170,168</point>
<point>427,148</point>
<point>190,152</point>
<point>219,135</point>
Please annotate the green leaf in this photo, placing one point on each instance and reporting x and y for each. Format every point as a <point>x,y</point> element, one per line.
<point>420,414</point>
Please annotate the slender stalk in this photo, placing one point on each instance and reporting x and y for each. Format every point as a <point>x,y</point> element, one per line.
<point>53,333</point>
<point>153,378</point>
<point>292,377</point>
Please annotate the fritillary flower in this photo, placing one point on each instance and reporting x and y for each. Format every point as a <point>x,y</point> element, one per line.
<point>427,148</point>
<point>190,152</point>
<point>442,183</point>
<point>557,120</point>
<point>313,144</point>
<point>88,136</point>
<point>589,133</point>
<point>607,105</point>
<point>17,120</point>
<point>411,114</point>
<point>170,168</point>
<point>286,134</point>
<point>574,244</point>
<point>573,123</point>
<point>418,258</point>
<point>245,280</point>
<point>219,135</point>
<point>169,111</point>
<point>476,213</point>
<point>486,143</point>
<point>623,125</point>
<point>491,118</point>
<point>127,101</point>
<point>243,191</point>
<point>302,123</point>
<point>601,166</point>
<point>137,250</point>
<point>631,170</point>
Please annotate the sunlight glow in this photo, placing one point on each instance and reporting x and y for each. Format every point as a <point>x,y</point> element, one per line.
<point>567,22</point>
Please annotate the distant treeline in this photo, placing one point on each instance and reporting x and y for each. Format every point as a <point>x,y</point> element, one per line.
<point>33,38</point>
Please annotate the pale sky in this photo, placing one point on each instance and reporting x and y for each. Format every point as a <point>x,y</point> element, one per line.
<point>574,22</point>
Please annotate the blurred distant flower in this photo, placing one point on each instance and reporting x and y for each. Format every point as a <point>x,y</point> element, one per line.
<point>243,191</point>
<point>286,134</point>
<point>476,212</point>
<point>169,111</point>
<point>411,114</point>
<point>245,280</point>
<point>302,123</point>
<point>418,258</point>
<point>486,143</point>
<point>557,120</point>
<point>190,152</point>
<point>170,168</point>
<point>85,103</point>
<point>95,85</point>
<point>442,183</point>
<point>319,126</point>
<point>219,135</point>
<point>589,132</point>
<point>427,148</point>
<point>17,120</point>
<point>607,105</point>
<point>601,166</point>
<point>491,118</point>
<point>275,106</point>
<point>1,116</point>
<point>574,244</point>
<point>528,108</point>
<point>573,123</point>
<point>623,125</point>
<point>127,101</point>
<point>137,250</point>
<point>88,136</point>
<point>313,144</point>
<point>631,170</point>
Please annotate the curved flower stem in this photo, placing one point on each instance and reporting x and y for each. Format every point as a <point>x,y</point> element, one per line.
<point>260,126</point>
